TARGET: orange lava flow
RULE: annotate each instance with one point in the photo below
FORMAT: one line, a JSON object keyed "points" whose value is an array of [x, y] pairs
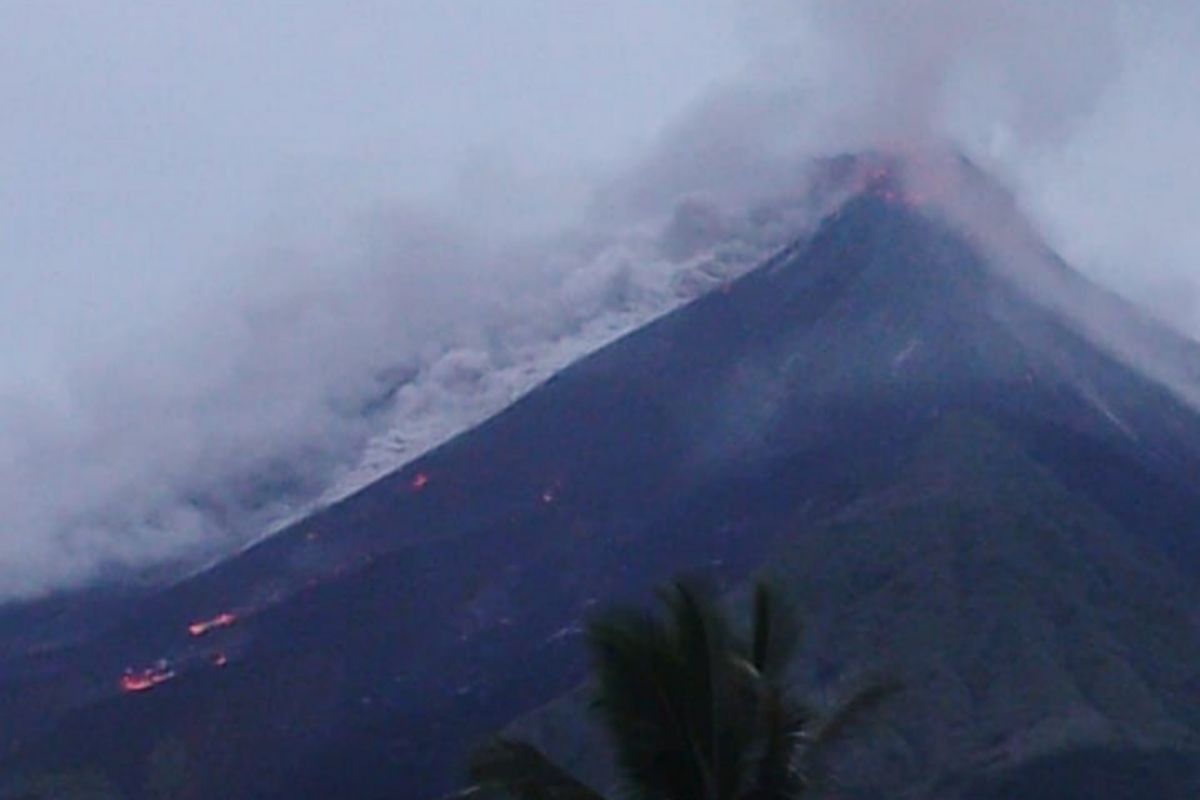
{"points": [[222, 620], [145, 679]]}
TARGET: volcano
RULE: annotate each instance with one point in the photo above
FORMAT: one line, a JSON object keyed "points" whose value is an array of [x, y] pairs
{"points": [[946, 452]]}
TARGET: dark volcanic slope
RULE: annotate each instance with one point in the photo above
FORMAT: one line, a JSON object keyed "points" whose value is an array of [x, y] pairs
{"points": [[1044, 652], [375, 641]]}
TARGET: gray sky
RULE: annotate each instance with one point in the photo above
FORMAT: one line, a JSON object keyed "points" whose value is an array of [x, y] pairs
{"points": [[219, 221]]}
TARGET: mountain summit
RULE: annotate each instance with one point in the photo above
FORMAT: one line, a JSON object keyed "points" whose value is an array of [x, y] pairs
{"points": [[945, 456]]}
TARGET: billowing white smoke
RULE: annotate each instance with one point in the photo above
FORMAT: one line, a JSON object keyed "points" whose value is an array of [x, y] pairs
{"points": [[206, 272], [207, 431], [181, 413], [1068, 102], [1086, 109]]}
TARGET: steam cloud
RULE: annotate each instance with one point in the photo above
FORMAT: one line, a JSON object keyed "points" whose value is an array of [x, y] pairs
{"points": [[1085, 109], [198, 343]]}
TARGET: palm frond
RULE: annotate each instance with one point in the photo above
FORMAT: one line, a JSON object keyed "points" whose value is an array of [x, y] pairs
{"points": [[695, 710], [775, 632], [774, 770], [852, 712], [641, 696], [701, 639], [521, 771]]}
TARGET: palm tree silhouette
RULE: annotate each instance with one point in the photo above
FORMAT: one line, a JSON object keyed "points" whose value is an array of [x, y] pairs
{"points": [[694, 710]]}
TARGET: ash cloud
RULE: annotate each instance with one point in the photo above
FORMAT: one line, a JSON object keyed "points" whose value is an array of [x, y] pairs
{"points": [[253, 257], [1086, 110], [238, 239]]}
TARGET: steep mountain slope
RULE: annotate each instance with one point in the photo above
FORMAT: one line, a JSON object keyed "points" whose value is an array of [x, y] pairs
{"points": [[807, 409], [1032, 635], [1029, 625]]}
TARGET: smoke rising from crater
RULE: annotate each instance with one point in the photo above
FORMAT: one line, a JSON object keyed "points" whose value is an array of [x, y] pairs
{"points": [[1086, 110], [253, 256]]}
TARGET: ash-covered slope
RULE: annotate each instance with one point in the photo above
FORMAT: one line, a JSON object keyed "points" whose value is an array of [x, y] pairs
{"points": [[360, 652]]}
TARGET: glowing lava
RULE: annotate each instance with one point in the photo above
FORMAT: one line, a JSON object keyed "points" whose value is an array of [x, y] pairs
{"points": [[882, 183], [220, 660], [910, 177], [419, 482], [223, 620], [146, 679]]}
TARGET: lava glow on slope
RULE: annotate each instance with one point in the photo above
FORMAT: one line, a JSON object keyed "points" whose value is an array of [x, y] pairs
{"points": [[882, 182], [906, 176], [145, 679], [222, 620], [419, 482]]}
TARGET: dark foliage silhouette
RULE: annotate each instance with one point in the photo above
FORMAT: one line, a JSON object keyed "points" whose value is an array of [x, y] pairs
{"points": [[693, 708]]}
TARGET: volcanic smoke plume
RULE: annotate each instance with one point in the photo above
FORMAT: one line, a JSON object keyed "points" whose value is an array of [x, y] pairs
{"points": [[252, 259]]}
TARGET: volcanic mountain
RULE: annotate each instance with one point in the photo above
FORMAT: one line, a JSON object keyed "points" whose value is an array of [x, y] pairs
{"points": [[946, 452]]}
